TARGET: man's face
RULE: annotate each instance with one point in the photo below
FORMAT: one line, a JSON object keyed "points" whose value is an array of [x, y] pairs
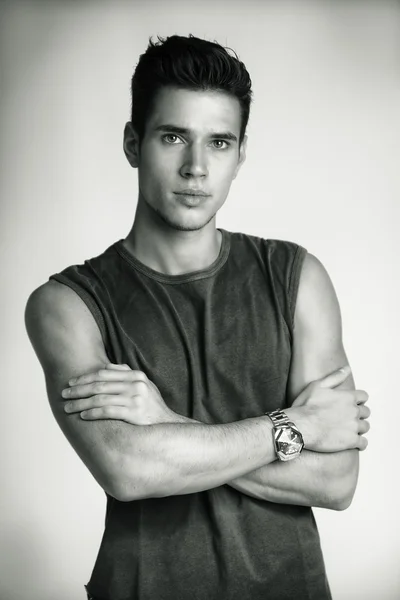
{"points": [[191, 143]]}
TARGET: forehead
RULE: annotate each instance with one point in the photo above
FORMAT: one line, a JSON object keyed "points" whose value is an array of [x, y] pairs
{"points": [[197, 110]]}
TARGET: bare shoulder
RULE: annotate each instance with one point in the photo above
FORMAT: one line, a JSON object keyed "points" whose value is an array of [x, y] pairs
{"points": [[54, 297], [317, 338], [68, 343], [316, 299], [314, 275], [53, 308]]}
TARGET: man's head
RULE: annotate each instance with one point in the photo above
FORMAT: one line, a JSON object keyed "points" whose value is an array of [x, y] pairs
{"points": [[190, 109]]}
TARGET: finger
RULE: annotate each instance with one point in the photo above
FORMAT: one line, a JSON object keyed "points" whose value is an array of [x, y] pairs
{"points": [[363, 426], [106, 412], [97, 387], [108, 375], [361, 396], [97, 401], [336, 378], [362, 442], [363, 411], [123, 367]]}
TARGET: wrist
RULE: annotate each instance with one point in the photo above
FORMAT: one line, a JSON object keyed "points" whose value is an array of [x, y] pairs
{"points": [[300, 417], [175, 418]]}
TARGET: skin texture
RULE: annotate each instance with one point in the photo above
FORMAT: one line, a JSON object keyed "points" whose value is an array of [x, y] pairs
{"points": [[324, 478], [315, 479], [129, 459], [168, 235]]}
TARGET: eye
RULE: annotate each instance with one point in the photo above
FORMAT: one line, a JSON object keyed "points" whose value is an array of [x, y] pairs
{"points": [[221, 142], [170, 135]]}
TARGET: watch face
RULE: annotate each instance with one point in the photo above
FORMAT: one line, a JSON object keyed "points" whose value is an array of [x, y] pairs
{"points": [[289, 443]]}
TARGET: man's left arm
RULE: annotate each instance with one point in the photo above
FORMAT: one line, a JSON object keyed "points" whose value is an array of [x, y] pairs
{"points": [[326, 480]]}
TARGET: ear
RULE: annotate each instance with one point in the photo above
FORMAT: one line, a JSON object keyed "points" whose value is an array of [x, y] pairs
{"points": [[131, 145], [242, 156]]}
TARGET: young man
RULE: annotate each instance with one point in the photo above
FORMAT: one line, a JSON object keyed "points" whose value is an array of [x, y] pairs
{"points": [[163, 354]]}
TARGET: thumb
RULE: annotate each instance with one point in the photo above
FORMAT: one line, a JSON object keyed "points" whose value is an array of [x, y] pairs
{"points": [[336, 378], [118, 367]]}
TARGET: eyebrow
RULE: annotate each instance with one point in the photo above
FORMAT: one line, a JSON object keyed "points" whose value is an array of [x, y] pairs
{"points": [[169, 128]]}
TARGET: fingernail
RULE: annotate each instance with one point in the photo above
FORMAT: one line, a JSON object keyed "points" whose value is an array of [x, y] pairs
{"points": [[346, 369], [72, 381]]}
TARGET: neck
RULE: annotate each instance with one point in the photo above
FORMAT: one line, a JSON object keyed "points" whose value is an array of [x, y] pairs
{"points": [[168, 250]]}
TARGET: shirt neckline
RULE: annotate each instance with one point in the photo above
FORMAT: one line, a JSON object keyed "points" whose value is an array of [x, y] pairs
{"points": [[182, 277]]}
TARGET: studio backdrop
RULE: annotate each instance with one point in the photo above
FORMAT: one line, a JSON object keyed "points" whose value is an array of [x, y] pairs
{"points": [[322, 170]]}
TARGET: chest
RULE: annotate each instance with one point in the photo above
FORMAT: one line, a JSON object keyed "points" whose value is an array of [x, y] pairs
{"points": [[217, 352]]}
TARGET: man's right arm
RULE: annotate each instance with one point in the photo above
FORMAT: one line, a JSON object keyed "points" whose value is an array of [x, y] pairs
{"points": [[133, 462]]}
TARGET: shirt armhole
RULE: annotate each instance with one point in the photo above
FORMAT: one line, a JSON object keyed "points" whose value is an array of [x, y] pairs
{"points": [[294, 281], [88, 300]]}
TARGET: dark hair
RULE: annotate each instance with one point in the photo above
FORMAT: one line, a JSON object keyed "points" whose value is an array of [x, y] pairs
{"points": [[189, 63]]}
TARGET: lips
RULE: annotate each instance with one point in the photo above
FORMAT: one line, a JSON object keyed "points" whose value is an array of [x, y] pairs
{"points": [[191, 192], [191, 200]]}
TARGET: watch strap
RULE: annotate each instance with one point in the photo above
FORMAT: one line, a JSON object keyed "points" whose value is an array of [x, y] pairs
{"points": [[287, 438], [278, 418]]}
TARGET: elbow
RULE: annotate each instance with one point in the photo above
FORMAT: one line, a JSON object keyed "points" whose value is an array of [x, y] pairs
{"points": [[135, 491], [124, 494], [335, 501], [341, 494], [136, 488], [346, 495], [144, 476], [340, 484], [142, 482], [142, 491], [341, 503]]}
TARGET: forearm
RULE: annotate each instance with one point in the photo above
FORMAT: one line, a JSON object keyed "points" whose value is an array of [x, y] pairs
{"points": [[185, 457], [325, 480]]}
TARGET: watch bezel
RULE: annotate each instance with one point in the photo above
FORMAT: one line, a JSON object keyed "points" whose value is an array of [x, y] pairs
{"points": [[282, 456]]}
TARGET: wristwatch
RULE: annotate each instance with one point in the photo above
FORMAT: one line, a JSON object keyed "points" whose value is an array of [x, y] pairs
{"points": [[288, 440]]}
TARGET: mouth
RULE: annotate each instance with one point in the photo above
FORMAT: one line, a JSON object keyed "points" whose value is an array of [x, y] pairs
{"points": [[190, 192]]}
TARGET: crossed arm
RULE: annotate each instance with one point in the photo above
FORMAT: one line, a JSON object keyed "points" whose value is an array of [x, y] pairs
{"points": [[326, 480]]}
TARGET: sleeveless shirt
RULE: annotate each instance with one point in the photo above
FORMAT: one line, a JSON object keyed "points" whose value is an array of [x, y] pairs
{"points": [[217, 343]]}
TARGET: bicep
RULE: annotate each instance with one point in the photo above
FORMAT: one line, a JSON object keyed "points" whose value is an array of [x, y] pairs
{"points": [[68, 343], [318, 349], [317, 340]]}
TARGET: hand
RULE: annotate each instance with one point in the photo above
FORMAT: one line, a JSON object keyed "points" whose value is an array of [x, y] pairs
{"points": [[331, 420], [117, 392]]}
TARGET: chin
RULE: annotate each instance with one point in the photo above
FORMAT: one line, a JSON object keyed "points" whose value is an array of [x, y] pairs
{"points": [[183, 218], [193, 223], [186, 225]]}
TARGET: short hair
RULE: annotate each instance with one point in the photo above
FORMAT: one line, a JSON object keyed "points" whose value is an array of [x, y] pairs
{"points": [[189, 63]]}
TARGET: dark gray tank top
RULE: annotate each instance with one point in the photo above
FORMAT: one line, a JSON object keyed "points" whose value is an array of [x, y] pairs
{"points": [[217, 343]]}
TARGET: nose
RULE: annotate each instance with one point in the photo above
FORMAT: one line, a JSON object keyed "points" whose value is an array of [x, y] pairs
{"points": [[195, 163]]}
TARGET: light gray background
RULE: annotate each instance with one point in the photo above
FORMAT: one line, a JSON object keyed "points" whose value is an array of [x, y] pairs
{"points": [[322, 170]]}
